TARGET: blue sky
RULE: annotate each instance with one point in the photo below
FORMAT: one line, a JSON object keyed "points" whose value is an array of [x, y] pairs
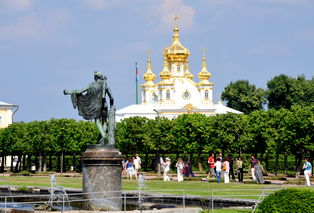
{"points": [[46, 46]]}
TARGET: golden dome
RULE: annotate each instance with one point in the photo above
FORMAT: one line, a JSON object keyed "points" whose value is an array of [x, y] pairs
{"points": [[187, 73], [204, 75], [176, 51], [165, 75], [149, 76]]}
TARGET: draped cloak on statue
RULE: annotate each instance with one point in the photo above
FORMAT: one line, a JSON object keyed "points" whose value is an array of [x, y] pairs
{"points": [[90, 104]]}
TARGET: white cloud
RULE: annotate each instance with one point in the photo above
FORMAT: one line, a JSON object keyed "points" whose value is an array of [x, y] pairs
{"points": [[44, 26], [277, 49], [15, 6], [212, 4], [103, 4], [164, 14]]}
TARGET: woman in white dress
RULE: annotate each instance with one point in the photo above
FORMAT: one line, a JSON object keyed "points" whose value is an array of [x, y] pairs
{"points": [[166, 169], [135, 163], [226, 171], [179, 166]]}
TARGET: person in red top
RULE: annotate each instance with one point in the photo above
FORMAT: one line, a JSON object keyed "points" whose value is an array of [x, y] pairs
{"points": [[211, 164]]}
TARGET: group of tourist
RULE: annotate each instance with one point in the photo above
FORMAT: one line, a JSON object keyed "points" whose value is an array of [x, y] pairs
{"points": [[216, 167], [226, 165], [131, 166], [184, 169]]}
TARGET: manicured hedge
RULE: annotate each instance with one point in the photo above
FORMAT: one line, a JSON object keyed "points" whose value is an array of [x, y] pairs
{"points": [[288, 200]]}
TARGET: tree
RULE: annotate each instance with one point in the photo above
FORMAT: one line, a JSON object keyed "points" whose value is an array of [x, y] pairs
{"points": [[283, 92], [243, 96], [190, 133]]}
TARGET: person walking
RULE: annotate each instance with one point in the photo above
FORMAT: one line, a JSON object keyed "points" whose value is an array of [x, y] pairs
{"points": [[240, 169], [166, 169], [179, 166], [220, 157], [226, 169], [231, 167], [218, 169], [251, 166], [136, 166], [307, 167], [124, 165], [258, 171], [139, 161], [211, 163], [185, 170], [190, 172], [129, 168]]}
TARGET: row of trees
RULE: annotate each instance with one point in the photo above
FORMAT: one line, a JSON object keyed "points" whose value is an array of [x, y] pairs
{"points": [[275, 131], [282, 92], [56, 137], [265, 133]]}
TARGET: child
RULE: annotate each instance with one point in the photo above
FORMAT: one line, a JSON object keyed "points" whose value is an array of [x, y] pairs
{"points": [[185, 170]]}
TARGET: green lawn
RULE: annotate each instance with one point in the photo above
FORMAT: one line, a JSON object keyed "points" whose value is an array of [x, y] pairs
{"points": [[171, 186]]}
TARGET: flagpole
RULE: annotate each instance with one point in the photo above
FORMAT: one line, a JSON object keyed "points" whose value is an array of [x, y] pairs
{"points": [[136, 73]]}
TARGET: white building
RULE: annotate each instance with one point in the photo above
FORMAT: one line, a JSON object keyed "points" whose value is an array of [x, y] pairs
{"points": [[176, 93]]}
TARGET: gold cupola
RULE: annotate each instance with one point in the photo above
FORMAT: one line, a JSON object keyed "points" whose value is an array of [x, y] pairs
{"points": [[187, 73], [176, 52], [165, 75], [204, 75], [149, 76]]}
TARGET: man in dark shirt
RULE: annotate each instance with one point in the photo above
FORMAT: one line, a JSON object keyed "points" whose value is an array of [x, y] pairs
{"points": [[251, 166], [231, 167]]}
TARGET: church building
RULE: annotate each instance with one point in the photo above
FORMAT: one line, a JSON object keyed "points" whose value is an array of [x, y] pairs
{"points": [[176, 93]]}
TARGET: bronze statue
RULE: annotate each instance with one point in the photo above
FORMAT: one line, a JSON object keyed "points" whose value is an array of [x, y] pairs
{"points": [[93, 105]]}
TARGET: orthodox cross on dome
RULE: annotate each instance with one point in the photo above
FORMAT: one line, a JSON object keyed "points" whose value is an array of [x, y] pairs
{"points": [[204, 52], [148, 53], [176, 18]]}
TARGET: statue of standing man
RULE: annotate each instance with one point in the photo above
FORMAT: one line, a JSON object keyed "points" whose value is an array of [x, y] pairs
{"points": [[93, 105]]}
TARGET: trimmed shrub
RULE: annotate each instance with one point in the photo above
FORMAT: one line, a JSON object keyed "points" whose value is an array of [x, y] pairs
{"points": [[288, 200], [254, 182]]}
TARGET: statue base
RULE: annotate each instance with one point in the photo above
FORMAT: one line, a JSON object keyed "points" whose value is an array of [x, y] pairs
{"points": [[102, 172]]}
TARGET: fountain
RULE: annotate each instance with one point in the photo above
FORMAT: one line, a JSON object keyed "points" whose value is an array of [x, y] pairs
{"points": [[141, 185], [8, 188], [57, 193]]}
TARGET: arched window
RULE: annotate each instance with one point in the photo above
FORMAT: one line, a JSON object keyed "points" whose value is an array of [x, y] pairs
{"points": [[160, 95], [168, 94], [206, 94], [178, 68], [144, 94]]}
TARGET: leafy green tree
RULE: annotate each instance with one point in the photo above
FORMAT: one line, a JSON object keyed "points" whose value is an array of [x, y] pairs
{"points": [[189, 132], [242, 96], [284, 91], [130, 134]]}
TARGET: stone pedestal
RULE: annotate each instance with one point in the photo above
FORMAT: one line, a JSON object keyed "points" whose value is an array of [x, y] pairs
{"points": [[102, 172]]}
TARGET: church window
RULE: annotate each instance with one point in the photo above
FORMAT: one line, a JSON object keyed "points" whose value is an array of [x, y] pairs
{"points": [[206, 94], [160, 95], [178, 68], [1, 119], [144, 94], [154, 96], [186, 95], [168, 94]]}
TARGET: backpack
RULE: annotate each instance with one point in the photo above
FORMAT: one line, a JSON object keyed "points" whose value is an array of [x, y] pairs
{"points": [[184, 170], [224, 168]]}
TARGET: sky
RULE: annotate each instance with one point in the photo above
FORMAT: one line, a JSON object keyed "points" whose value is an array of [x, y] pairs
{"points": [[48, 46]]}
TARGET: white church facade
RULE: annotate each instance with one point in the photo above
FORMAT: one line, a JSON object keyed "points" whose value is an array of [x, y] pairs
{"points": [[176, 93]]}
